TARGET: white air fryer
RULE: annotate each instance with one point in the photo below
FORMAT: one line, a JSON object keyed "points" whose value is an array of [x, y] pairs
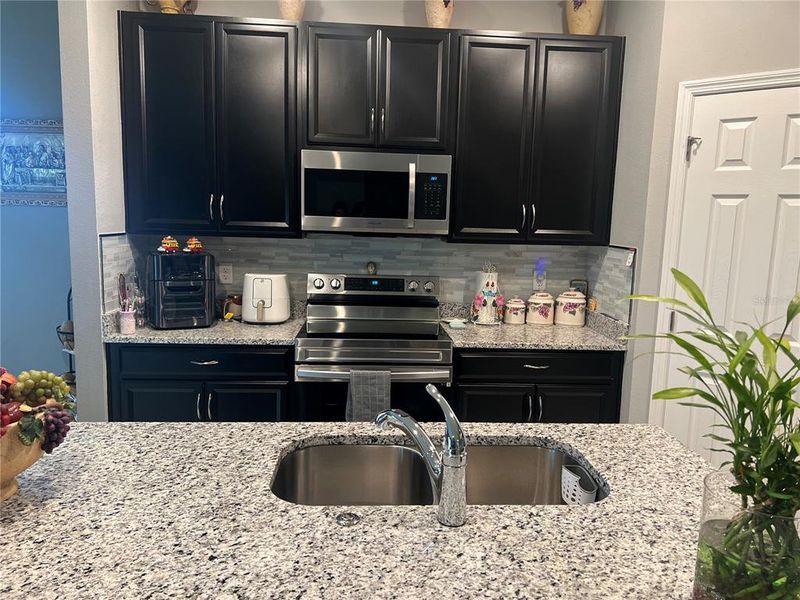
{"points": [[265, 298]]}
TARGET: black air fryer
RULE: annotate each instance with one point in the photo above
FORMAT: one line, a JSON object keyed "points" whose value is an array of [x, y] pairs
{"points": [[180, 290]]}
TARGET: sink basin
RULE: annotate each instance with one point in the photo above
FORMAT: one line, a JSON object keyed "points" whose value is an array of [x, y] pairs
{"points": [[389, 475]]}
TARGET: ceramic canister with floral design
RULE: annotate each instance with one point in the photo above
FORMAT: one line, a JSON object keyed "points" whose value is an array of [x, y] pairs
{"points": [[515, 312], [571, 308], [540, 309]]}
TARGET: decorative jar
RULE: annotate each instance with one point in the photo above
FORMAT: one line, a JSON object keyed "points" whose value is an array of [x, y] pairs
{"points": [[515, 312], [540, 309], [571, 309]]}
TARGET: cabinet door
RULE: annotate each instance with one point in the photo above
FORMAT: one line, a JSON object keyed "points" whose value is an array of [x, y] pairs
{"points": [[168, 123], [414, 87], [494, 138], [577, 115], [575, 404], [256, 127], [495, 403], [242, 401], [159, 400], [341, 84]]}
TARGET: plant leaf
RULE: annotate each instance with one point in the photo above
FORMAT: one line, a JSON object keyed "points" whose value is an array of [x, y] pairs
{"points": [[743, 349], [692, 289], [677, 392], [794, 437], [770, 355], [793, 309]]}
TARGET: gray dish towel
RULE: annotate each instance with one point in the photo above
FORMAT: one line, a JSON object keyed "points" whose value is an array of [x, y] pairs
{"points": [[369, 393]]}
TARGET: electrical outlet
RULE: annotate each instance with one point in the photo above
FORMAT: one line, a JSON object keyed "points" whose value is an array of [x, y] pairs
{"points": [[225, 273], [539, 281]]}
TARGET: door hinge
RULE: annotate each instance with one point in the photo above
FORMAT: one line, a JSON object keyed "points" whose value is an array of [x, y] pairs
{"points": [[692, 141]]}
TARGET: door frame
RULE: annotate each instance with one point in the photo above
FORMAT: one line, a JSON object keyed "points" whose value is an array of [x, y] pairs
{"points": [[688, 92]]}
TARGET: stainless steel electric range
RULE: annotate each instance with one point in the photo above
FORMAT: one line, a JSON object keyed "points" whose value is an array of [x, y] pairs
{"points": [[387, 323]]}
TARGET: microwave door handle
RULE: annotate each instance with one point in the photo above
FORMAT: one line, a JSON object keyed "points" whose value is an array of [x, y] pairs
{"points": [[412, 192]]}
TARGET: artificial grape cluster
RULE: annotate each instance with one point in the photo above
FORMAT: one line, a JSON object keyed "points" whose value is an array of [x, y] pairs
{"points": [[35, 387], [56, 426]]}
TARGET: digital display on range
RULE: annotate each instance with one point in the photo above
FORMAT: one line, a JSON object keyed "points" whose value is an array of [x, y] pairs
{"points": [[374, 284]]}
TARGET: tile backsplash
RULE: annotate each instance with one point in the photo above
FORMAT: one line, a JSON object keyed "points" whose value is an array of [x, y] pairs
{"points": [[457, 265]]}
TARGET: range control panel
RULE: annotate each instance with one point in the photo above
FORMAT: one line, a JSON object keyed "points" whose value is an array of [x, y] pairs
{"points": [[414, 285], [431, 196]]}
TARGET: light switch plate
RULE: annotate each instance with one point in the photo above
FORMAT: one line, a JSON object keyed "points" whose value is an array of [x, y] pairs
{"points": [[225, 273]]}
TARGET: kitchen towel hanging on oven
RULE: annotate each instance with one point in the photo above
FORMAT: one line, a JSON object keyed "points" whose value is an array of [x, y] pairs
{"points": [[369, 393]]}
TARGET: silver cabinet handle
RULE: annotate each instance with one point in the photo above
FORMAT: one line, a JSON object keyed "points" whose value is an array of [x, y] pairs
{"points": [[522, 226], [412, 193], [221, 208], [197, 406], [383, 122], [208, 407], [530, 407], [372, 120], [539, 400], [204, 363], [533, 216], [211, 206], [536, 367]]}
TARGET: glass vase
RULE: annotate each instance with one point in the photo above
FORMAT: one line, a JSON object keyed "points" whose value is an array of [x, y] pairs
{"points": [[744, 554]]}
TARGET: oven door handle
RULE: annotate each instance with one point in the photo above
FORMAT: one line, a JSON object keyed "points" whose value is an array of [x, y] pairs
{"points": [[412, 192], [323, 374]]}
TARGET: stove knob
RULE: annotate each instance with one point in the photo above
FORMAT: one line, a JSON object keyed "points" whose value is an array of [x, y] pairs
{"points": [[335, 284], [318, 283], [428, 287], [412, 286]]}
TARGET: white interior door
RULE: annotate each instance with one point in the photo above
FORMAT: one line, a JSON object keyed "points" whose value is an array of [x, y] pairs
{"points": [[740, 227]]}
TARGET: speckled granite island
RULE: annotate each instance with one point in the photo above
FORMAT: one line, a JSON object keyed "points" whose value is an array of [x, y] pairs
{"points": [[150, 510]]}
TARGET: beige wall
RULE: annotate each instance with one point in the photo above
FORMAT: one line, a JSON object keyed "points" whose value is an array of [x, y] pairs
{"points": [[93, 143], [525, 15], [700, 40]]}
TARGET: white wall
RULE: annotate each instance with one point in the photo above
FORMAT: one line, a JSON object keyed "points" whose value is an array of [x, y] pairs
{"points": [[93, 142], [699, 40], [525, 15]]}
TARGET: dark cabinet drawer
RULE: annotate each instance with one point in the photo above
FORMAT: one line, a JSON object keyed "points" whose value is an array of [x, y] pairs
{"points": [[537, 366], [206, 362]]}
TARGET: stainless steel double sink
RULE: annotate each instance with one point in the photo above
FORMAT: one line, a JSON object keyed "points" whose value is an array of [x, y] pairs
{"points": [[367, 474]]}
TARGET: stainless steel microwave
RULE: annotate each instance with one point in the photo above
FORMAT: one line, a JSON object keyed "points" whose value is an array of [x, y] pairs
{"points": [[375, 192]]}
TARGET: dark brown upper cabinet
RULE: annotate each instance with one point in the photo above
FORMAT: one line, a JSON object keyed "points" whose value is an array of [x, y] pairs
{"points": [[168, 123], [575, 141], [378, 86], [495, 115], [341, 84], [537, 137], [209, 125], [256, 127]]}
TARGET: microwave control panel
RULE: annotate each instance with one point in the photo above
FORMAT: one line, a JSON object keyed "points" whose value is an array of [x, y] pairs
{"points": [[431, 196]]}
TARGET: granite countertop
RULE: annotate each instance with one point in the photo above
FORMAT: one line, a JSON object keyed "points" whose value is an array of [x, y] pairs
{"points": [[221, 332], [134, 510], [511, 337], [532, 337]]}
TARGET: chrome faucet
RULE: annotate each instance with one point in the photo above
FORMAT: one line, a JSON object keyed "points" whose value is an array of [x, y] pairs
{"points": [[447, 469]]}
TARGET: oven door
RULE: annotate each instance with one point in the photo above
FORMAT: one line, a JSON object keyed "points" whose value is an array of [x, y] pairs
{"points": [[321, 390]]}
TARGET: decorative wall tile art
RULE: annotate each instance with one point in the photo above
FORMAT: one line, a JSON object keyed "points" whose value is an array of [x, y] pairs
{"points": [[32, 168]]}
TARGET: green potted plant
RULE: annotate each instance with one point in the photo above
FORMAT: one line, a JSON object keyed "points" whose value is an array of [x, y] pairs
{"points": [[749, 546]]}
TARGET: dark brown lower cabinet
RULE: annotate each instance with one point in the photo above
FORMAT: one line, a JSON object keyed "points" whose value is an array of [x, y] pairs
{"points": [[538, 387], [198, 383]]}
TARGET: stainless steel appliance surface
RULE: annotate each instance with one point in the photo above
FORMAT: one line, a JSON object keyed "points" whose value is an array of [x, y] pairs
{"points": [[375, 192], [371, 322]]}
